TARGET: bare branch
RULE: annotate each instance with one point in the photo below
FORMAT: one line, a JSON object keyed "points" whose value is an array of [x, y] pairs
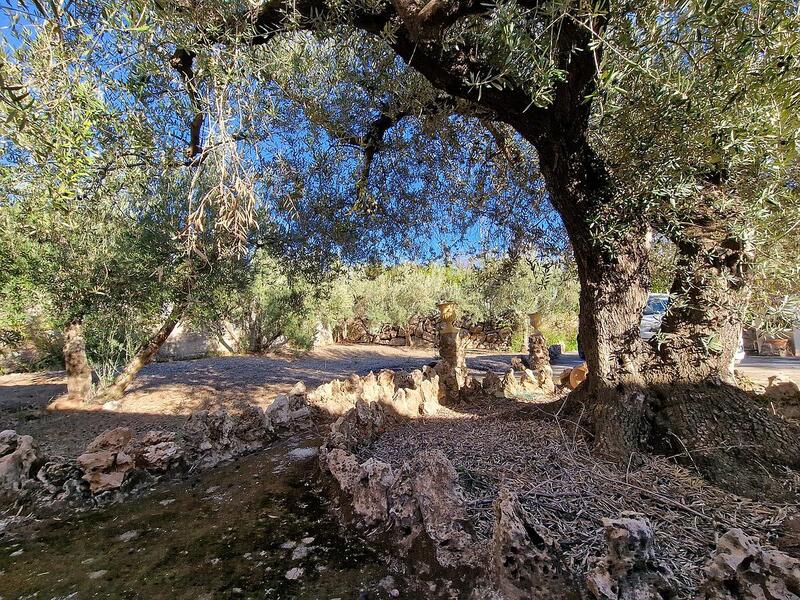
{"points": [[182, 61]]}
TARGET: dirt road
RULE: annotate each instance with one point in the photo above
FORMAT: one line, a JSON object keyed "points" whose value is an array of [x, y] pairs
{"points": [[165, 393]]}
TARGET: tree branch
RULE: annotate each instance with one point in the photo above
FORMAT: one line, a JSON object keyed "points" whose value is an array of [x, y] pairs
{"points": [[182, 61]]}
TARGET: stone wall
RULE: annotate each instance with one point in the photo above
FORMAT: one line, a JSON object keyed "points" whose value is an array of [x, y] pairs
{"points": [[187, 342], [424, 333]]}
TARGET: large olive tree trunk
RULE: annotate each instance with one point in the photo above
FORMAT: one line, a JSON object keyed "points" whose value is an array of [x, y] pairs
{"points": [[709, 295], [144, 356], [613, 271], [676, 394], [79, 373]]}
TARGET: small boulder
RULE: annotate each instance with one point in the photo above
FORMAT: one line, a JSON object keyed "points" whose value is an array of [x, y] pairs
{"points": [[367, 484], [781, 387], [20, 459], [113, 440], [492, 385], [783, 395], [208, 437], [509, 385], [157, 451], [630, 570], [440, 500], [298, 389], [289, 414], [62, 478], [429, 389], [527, 561], [294, 574], [106, 461], [741, 568], [214, 436], [358, 426]]}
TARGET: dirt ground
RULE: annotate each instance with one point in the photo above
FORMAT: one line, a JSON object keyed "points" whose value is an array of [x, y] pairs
{"points": [[166, 393], [230, 532]]}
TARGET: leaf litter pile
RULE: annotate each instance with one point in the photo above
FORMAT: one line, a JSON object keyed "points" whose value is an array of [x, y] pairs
{"points": [[569, 491]]}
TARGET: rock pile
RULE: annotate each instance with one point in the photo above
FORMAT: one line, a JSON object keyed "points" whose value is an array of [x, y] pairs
{"points": [[112, 455], [508, 387], [211, 437], [105, 461], [117, 461], [402, 395], [418, 507]]}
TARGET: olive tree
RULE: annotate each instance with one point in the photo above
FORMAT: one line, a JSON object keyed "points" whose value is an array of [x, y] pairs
{"points": [[553, 73]]}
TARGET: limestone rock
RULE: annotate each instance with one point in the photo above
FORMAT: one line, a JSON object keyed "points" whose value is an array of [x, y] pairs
{"points": [[781, 387], [471, 389], [368, 484], [630, 569], [157, 451], [208, 436], [741, 568], [404, 511], [422, 497], [386, 379], [358, 426], [540, 382], [509, 383], [213, 436], [406, 402], [62, 481], [112, 440], [377, 389], [438, 496], [288, 414], [19, 460], [105, 469], [784, 396], [298, 389], [332, 398], [107, 460], [410, 380], [527, 561], [492, 385], [430, 394], [517, 364]]}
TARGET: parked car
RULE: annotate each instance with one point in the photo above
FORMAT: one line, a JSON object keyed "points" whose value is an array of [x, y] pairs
{"points": [[650, 323]]}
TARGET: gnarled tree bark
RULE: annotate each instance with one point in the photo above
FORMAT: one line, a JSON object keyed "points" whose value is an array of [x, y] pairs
{"points": [[79, 373]]}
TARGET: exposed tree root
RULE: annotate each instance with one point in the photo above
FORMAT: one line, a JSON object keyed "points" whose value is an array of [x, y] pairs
{"points": [[728, 436], [715, 428]]}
